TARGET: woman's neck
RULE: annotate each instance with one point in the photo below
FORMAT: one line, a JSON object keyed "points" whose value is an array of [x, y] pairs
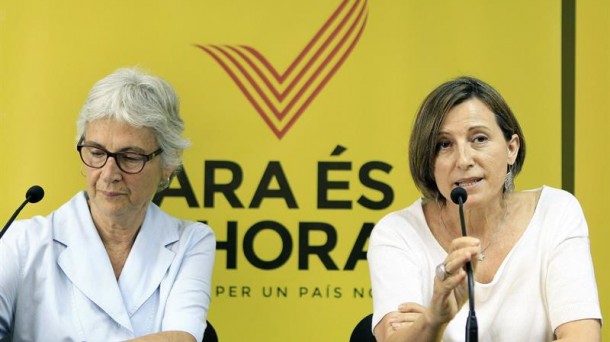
{"points": [[480, 221], [118, 237], [118, 231]]}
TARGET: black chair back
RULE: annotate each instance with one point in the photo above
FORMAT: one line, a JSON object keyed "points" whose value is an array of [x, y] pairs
{"points": [[362, 331], [209, 335]]}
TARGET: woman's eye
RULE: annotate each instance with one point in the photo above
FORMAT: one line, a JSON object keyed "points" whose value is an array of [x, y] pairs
{"points": [[480, 138], [442, 145], [131, 157], [97, 153]]}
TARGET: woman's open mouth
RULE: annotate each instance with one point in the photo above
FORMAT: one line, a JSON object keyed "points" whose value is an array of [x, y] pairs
{"points": [[467, 182]]}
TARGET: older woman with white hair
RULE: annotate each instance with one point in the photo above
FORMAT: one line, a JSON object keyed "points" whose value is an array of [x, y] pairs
{"points": [[109, 264]]}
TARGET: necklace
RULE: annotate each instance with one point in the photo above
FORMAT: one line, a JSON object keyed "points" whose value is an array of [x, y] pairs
{"points": [[492, 239]]}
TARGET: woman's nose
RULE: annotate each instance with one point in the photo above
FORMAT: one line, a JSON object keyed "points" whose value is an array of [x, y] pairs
{"points": [[464, 156], [111, 171]]}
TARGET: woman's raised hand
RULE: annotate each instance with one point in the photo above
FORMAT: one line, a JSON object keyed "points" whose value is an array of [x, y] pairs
{"points": [[450, 284]]}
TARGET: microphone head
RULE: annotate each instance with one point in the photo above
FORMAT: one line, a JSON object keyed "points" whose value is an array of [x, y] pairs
{"points": [[458, 193], [34, 194]]}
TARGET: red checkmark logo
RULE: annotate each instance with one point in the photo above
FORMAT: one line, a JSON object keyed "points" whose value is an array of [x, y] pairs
{"points": [[280, 98]]}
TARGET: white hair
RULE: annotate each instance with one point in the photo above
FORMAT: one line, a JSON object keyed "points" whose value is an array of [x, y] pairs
{"points": [[141, 100]]}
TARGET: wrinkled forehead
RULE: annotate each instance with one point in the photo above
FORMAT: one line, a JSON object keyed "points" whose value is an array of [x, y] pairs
{"points": [[114, 135], [468, 115]]}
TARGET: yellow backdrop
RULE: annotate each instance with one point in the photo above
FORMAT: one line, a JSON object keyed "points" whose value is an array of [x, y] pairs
{"points": [[303, 110]]}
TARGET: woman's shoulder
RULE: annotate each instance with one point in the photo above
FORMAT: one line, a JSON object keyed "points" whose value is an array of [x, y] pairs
{"points": [[40, 227], [543, 197], [413, 212], [197, 227], [406, 221], [183, 228], [557, 210], [547, 197]]}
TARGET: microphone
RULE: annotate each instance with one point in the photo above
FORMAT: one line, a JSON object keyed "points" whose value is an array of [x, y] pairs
{"points": [[459, 197], [33, 195]]}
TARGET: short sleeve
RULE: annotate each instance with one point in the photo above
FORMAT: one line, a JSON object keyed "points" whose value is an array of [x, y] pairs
{"points": [[571, 287], [189, 299], [397, 266]]}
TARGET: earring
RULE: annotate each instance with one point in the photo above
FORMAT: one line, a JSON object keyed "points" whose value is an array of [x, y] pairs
{"points": [[509, 182], [163, 184]]}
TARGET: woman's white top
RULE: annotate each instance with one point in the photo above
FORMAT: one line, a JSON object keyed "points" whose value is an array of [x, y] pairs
{"points": [[57, 283], [546, 280]]}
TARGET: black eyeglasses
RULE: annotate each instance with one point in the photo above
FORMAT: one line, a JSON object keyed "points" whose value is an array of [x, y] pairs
{"points": [[128, 162]]}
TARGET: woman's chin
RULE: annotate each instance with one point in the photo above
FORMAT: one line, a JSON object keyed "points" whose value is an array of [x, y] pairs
{"points": [[110, 209]]}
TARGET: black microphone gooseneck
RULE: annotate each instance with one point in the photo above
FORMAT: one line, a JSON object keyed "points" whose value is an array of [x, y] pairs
{"points": [[459, 196], [33, 195]]}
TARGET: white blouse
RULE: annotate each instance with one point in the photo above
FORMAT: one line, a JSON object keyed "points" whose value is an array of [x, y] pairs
{"points": [[57, 283], [546, 280]]}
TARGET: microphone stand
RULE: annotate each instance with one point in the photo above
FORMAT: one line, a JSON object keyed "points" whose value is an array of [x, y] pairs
{"points": [[472, 327], [5, 228], [33, 195]]}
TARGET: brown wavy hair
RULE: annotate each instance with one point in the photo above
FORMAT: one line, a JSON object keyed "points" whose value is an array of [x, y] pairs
{"points": [[430, 116]]}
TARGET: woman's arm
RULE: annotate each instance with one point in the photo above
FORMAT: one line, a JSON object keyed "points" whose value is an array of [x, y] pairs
{"points": [[166, 336], [393, 328], [448, 297], [188, 302], [584, 330], [571, 287]]}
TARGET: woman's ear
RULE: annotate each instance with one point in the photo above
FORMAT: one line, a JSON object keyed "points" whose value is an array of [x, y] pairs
{"points": [[167, 174], [166, 177], [513, 146]]}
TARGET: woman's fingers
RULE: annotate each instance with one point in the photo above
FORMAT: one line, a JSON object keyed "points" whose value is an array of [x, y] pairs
{"points": [[450, 290], [462, 250], [457, 259], [406, 315], [464, 242], [411, 307]]}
